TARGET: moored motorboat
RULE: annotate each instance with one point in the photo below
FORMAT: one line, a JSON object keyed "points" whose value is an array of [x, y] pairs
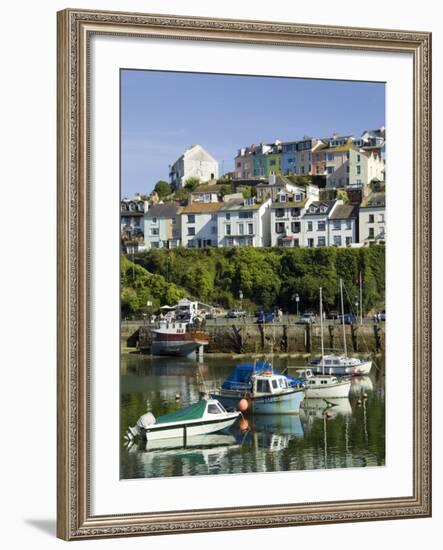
{"points": [[204, 417], [261, 390], [324, 385]]}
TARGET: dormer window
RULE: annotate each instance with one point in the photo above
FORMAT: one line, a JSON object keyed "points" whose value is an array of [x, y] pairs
{"points": [[323, 209], [312, 209]]}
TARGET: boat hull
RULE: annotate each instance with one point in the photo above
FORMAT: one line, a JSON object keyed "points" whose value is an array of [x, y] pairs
{"points": [[285, 403], [329, 391], [341, 370], [184, 431], [175, 348]]}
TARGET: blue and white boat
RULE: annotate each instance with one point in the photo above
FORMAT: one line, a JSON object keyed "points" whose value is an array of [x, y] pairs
{"points": [[265, 390]]}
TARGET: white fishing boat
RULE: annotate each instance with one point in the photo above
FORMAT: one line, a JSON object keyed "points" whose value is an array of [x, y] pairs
{"points": [[340, 364], [263, 390], [204, 417], [325, 386]]}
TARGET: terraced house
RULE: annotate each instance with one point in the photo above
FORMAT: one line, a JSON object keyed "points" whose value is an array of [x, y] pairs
{"points": [[162, 226], [243, 222], [198, 224], [372, 219]]}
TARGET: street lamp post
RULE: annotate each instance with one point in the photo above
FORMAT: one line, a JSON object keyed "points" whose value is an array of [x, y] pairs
{"points": [[297, 300], [240, 295]]}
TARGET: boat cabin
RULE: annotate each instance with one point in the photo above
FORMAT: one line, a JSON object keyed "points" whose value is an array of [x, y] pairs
{"points": [[318, 381], [269, 383]]}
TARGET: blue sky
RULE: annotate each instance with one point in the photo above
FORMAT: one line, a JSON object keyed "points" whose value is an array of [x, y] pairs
{"points": [[162, 113]]}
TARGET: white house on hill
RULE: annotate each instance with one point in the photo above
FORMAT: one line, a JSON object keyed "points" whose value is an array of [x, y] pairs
{"points": [[195, 162]]}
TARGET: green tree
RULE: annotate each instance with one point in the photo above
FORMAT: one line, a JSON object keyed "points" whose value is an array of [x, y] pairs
{"points": [[162, 188]]}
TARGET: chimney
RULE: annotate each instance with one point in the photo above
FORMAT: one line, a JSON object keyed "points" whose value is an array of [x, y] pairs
{"points": [[272, 178]]}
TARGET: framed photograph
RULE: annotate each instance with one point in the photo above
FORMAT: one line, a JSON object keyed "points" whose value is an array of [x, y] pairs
{"points": [[244, 288]]}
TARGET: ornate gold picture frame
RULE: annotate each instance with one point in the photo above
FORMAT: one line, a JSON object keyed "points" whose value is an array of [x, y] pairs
{"points": [[75, 29]]}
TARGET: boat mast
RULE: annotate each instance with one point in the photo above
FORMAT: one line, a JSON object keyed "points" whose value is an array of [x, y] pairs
{"points": [[321, 333], [361, 300], [343, 317]]}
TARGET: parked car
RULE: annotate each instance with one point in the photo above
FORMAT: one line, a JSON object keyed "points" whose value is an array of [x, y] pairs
{"points": [[333, 314], [235, 314], [349, 319], [382, 315], [307, 318], [265, 317]]}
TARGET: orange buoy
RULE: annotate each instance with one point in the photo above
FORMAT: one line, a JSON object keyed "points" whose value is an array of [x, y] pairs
{"points": [[243, 424], [243, 405]]}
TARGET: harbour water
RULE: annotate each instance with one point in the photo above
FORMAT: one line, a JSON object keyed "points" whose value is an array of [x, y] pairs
{"points": [[346, 433]]}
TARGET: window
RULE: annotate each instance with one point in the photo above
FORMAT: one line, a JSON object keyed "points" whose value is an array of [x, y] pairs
{"points": [[371, 232], [330, 169], [381, 218], [321, 241], [371, 218], [348, 224], [249, 241], [136, 222], [214, 217], [348, 241], [279, 227], [309, 168], [153, 220], [214, 229], [347, 169], [245, 215], [302, 169], [213, 409], [238, 165], [154, 231], [311, 243], [250, 228], [337, 240], [336, 225], [228, 216], [296, 243], [358, 158], [280, 213], [191, 218], [263, 386], [309, 226], [228, 229], [241, 229], [330, 157], [191, 231], [155, 244], [275, 384], [295, 227], [283, 198], [321, 226], [272, 162], [358, 170], [229, 241]]}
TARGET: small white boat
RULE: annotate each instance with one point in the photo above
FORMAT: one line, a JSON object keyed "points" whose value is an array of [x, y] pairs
{"points": [[204, 417], [324, 385]]}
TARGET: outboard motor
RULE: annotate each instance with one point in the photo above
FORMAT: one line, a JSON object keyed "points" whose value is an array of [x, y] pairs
{"points": [[146, 420]]}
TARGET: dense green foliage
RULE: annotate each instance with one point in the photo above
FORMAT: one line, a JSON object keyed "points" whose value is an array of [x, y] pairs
{"points": [[138, 286], [162, 188], [270, 277]]}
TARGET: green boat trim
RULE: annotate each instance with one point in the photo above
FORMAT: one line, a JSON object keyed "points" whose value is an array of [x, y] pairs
{"points": [[193, 412]]}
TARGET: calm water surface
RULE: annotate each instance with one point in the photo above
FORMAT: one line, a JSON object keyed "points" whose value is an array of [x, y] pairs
{"points": [[351, 434]]}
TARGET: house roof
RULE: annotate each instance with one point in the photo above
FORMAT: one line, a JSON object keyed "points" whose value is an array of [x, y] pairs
{"points": [[166, 210], [317, 205], [202, 208], [341, 148], [239, 204], [206, 188], [343, 211], [374, 200], [280, 181]]}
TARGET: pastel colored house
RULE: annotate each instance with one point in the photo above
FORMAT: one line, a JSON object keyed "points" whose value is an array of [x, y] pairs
{"points": [[372, 223], [161, 226]]}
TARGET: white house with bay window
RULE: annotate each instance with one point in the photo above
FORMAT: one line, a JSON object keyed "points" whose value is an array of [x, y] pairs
{"points": [[243, 222], [286, 221]]}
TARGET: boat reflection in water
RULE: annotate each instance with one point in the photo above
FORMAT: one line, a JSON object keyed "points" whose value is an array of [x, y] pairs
{"points": [[202, 454], [361, 385]]}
